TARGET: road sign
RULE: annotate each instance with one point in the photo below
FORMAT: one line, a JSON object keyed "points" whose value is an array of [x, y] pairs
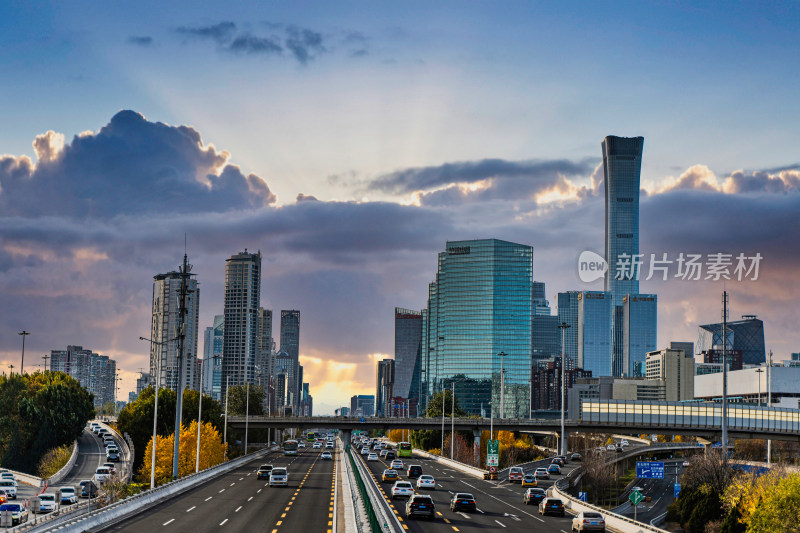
{"points": [[636, 497], [582, 496], [362, 419], [677, 489], [493, 453], [492, 469], [654, 438], [650, 469]]}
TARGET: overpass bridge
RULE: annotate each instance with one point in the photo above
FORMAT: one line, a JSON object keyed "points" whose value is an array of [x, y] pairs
{"points": [[700, 419]]}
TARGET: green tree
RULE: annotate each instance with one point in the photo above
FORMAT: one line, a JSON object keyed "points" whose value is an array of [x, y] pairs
{"points": [[441, 402], [779, 510], [237, 400]]}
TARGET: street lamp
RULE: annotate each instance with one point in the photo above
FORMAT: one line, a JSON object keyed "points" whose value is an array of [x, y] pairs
{"points": [[563, 327], [502, 385], [452, 417], [759, 372], [24, 334]]}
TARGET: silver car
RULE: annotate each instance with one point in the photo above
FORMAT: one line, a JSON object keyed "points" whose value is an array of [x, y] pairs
{"points": [[588, 521], [279, 477]]}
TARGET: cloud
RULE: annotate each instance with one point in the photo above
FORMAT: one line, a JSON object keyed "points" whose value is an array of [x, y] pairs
{"points": [[700, 177], [248, 44], [140, 40], [304, 44], [131, 166], [220, 33]]}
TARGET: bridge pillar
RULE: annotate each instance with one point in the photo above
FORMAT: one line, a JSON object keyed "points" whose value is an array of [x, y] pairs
{"points": [[344, 434], [476, 433]]}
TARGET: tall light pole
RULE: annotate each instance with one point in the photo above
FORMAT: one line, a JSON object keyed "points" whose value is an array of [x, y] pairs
{"points": [[24, 334], [45, 357], [452, 416], [185, 270], [155, 409], [502, 385], [759, 372], [769, 404], [246, 414], [441, 452], [225, 431], [563, 327], [724, 380]]}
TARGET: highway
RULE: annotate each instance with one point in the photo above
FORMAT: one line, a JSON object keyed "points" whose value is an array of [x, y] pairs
{"points": [[499, 502], [661, 492], [237, 501]]}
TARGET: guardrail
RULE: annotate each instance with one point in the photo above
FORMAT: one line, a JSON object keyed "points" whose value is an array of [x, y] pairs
{"points": [[380, 519], [61, 474], [461, 467]]}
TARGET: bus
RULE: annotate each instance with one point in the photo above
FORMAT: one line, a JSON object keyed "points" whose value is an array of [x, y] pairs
{"points": [[290, 447], [404, 449], [311, 436]]}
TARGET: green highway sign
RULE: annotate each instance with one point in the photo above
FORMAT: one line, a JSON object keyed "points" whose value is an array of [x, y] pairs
{"points": [[636, 497], [493, 453]]}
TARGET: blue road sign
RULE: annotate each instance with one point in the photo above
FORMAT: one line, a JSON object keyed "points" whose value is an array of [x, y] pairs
{"points": [[362, 419], [582, 496], [650, 470], [677, 489]]}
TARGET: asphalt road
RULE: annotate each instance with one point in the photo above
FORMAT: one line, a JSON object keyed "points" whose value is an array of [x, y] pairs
{"points": [[499, 503], [237, 501], [661, 492]]}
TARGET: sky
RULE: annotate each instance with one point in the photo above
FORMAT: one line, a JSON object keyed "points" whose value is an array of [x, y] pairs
{"points": [[348, 141]]}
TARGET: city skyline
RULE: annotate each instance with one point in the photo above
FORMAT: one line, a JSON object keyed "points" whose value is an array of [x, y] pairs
{"points": [[350, 160]]}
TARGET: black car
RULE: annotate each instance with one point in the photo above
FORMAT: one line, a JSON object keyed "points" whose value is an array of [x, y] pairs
{"points": [[551, 506], [462, 501], [264, 471], [112, 455], [420, 505], [389, 456], [534, 495], [414, 471]]}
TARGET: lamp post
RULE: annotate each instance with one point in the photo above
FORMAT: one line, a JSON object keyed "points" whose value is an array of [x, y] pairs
{"points": [[225, 431], [441, 450], [452, 416], [24, 334], [724, 381], [769, 403], [759, 372], [502, 385], [563, 327], [246, 414], [45, 357]]}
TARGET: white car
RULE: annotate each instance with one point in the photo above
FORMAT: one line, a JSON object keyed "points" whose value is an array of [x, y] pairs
{"points": [[301, 444], [541, 473], [611, 447], [329, 444], [47, 503], [67, 494], [10, 486], [372, 457], [365, 450], [624, 442], [402, 489], [102, 474], [317, 445], [397, 464], [326, 455], [426, 481], [279, 477], [8, 475]]}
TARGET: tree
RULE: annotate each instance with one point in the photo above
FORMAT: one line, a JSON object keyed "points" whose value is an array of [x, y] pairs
{"points": [[237, 400], [780, 509], [212, 452], [441, 402]]}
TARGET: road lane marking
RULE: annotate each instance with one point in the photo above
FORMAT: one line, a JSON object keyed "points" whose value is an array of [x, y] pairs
{"points": [[241, 478], [223, 490], [465, 515], [259, 490], [238, 509], [168, 522], [250, 498], [499, 522], [223, 522], [232, 484], [209, 498], [192, 508]]}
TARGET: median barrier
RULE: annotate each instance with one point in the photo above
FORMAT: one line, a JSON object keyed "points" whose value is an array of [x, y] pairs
{"points": [[380, 516], [61, 474], [356, 520]]}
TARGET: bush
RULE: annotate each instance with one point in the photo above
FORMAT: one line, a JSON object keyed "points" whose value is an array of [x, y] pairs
{"points": [[53, 461]]}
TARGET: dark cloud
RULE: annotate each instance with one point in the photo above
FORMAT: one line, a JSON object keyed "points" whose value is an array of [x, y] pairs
{"points": [[220, 33], [424, 178], [131, 166], [784, 180], [249, 44], [304, 44], [305, 198], [140, 40]]}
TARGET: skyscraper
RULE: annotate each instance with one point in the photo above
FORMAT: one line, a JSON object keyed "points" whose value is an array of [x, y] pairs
{"points": [[540, 304], [622, 167], [568, 313], [407, 355], [284, 365], [240, 335], [746, 335], [290, 343], [212, 356], [266, 346], [479, 319], [362, 405], [594, 332], [545, 338], [639, 331], [384, 387], [164, 330]]}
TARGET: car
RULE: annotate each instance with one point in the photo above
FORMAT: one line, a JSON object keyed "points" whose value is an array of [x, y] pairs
{"points": [[564, 459], [317, 445], [47, 502], [301, 444], [541, 473], [611, 447], [111, 467], [86, 489], [8, 475], [414, 471], [329, 444], [112, 455], [426, 481], [588, 521], [397, 464], [383, 453], [515, 474], [326, 456], [551, 506], [19, 513], [10, 487], [389, 476], [637, 489], [624, 442], [390, 456], [461, 501], [529, 480], [554, 469], [102, 474], [372, 457], [3, 496], [263, 472], [67, 495], [279, 477], [365, 450], [576, 456], [533, 496], [686, 463], [402, 489], [557, 461], [618, 448], [420, 505]]}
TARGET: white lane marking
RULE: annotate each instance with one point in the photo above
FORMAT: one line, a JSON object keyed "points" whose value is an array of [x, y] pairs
{"points": [[232, 484], [238, 509], [223, 522], [465, 515], [480, 511], [250, 498], [259, 490], [241, 478], [499, 522], [221, 491], [209, 498], [192, 508], [171, 520]]}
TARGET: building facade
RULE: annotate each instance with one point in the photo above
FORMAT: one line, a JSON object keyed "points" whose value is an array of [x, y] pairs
{"points": [[479, 320], [546, 338], [639, 331], [746, 335], [407, 354], [384, 387], [96, 373], [546, 383], [676, 370], [164, 326], [362, 405], [568, 313], [290, 344], [734, 358], [539, 299], [266, 346], [213, 338], [594, 332], [240, 334]]}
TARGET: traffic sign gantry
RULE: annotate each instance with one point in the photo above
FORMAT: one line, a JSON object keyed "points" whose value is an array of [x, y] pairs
{"points": [[636, 497], [649, 470]]}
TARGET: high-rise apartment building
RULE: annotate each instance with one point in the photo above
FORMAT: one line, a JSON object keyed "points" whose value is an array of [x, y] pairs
{"points": [[240, 335], [384, 387], [546, 380], [639, 331], [568, 314], [213, 339], [96, 373], [676, 369], [594, 332], [407, 355], [622, 167], [164, 328], [746, 335], [266, 346], [479, 320], [290, 343]]}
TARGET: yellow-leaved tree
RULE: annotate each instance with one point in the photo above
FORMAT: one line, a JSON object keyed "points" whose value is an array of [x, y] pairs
{"points": [[212, 452]]}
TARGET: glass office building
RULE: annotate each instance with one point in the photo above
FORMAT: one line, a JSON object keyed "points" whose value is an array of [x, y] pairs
{"points": [[480, 307], [746, 335], [622, 167], [545, 338], [594, 332], [639, 331], [407, 360], [568, 312]]}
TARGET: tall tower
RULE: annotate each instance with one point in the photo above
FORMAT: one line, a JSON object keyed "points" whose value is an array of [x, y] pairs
{"points": [[164, 330], [407, 355], [622, 167], [240, 335], [290, 343]]}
